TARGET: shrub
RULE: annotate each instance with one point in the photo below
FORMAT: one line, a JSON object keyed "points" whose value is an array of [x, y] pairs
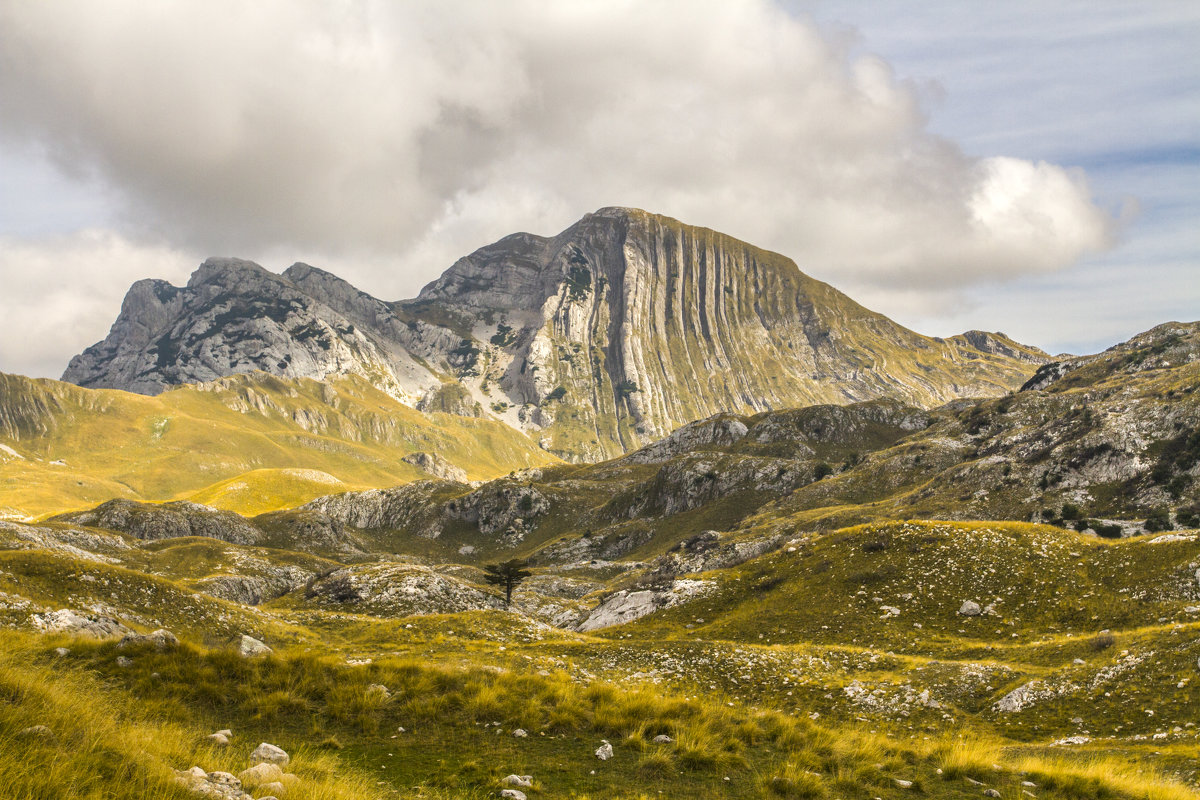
{"points": [[822, 470], [1071, 511], [1188, 518], [1108, 531], [1159, 520], [1102, 641]]}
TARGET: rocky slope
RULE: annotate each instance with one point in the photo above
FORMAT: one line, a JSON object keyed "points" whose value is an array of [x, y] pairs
{"points": [[596, 341], [1109, 442]]}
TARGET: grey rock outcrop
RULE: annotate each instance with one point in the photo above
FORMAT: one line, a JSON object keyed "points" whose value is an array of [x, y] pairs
{"points": [[166, 521], [437, 466], [94, 626], [625, 606]]}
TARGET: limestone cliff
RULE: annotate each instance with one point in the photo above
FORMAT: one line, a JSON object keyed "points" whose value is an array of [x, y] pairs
{"points": [[629, 324]]}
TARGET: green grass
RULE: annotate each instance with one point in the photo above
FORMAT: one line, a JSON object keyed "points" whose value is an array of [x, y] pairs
{"points": [[119, 730]]}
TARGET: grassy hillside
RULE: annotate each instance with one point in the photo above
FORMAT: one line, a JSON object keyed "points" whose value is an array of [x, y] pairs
{"points": [[447, 732], [248, 443]]}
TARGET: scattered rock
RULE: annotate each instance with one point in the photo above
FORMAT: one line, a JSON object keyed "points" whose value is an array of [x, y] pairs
{"points": [[218, 739], [512, 794], [990, 793], [605, 751], [275, 788], [269, 753], [662, 738], [903, 784], [124, 662], [249, 647], [520, 733], [380, 690], [62, 652], [521, 781], [970, 608]]}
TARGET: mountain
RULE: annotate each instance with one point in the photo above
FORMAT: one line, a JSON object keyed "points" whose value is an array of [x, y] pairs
{"points": [[248, 443], [596, 341]]}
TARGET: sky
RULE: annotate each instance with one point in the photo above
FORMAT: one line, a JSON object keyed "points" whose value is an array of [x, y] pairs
{"points": [[1026, 167]]}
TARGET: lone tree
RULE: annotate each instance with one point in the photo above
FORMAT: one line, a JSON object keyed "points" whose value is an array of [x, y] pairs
{"points": [[508, 575]]}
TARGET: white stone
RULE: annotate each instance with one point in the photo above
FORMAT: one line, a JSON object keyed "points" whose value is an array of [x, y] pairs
{"points": [[269, 753]]}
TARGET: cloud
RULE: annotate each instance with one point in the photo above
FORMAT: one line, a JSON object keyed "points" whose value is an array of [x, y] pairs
{"points": [[394, 137], [62, 293]]}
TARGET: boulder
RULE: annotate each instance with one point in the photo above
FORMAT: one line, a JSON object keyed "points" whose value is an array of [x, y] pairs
{"points": [[275, 788], [219, 739], [248, 647], [970, 608], [512, 794], [124, 662], [520, 781], [605, 751], [261, 773], [662, 738], [270, 753]]}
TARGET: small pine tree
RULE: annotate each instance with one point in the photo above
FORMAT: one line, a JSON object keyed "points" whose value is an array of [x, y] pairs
{"points": [[507, 574]]}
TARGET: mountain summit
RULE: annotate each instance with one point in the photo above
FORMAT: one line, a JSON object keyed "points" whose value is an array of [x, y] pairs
{"points": [[607, 336]]}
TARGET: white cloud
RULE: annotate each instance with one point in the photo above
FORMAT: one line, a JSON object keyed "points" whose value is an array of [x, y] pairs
{"points": [[61, 293], [410, 133]]}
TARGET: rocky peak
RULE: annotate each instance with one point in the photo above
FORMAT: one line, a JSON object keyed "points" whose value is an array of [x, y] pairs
{"points": [[232, 317]]}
